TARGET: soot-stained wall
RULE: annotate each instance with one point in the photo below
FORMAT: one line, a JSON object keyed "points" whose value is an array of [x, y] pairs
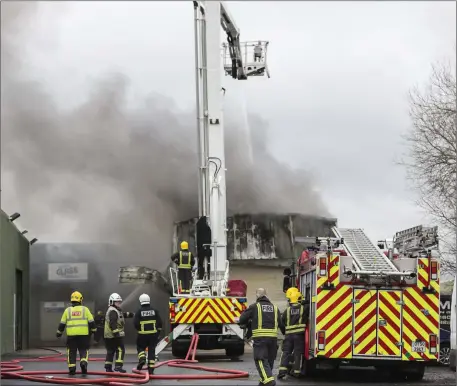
{"points": [[262, 236]]}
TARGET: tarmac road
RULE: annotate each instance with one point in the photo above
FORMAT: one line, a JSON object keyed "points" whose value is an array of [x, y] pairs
{"points": [[435, 376]]}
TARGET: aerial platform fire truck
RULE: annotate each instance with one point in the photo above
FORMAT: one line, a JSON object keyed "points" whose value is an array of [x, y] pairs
{"points": [[366, 308], [215, 303]]}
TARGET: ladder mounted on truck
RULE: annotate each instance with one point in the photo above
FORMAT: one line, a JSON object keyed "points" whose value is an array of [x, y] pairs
{"points": [[416, 241], [367, 257]]}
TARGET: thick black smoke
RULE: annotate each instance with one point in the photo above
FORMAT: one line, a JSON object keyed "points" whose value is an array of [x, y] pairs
{"points": [[111, 173]]}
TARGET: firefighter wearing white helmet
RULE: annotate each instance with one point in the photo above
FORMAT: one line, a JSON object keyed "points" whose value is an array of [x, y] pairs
{"points": [[148, 323], [114, 334]]}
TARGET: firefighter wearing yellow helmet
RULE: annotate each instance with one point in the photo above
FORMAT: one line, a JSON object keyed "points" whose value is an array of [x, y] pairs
{"points": [[78, 321], [291, 291], [185, 260], [294, 318]]}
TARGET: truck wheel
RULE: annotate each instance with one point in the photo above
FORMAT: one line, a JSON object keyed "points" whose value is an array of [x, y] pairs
{"points": [[178, 350], [445, 351], [309, 368], [235, 352], [417, 374]]}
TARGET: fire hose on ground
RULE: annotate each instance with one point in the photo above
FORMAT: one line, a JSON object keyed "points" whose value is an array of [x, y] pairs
{"points": [[13, 370]]}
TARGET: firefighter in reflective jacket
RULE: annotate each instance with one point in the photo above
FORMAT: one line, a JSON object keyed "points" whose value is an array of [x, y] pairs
{"points": [[185, 260], [78, 320], [114, 334], [294, 320], [265, 319], [149, 325]]}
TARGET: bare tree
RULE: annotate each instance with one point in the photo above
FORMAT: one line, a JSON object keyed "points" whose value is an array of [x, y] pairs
{"points": [[432, 151]]}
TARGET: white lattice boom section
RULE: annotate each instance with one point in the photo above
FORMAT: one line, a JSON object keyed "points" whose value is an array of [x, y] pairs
{"points": [[367, 256]]}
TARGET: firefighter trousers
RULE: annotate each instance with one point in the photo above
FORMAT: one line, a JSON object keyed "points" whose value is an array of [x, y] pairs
{"points": [[114, 348], [185, 278], [293, 344], [98, 336], [77, 343], [148, 341], [265, 351]]}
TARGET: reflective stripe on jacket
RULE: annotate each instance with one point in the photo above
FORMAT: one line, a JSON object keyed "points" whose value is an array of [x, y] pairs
{"points": [[185, 259], [120, 324], [76, 320], [267, 321], [294, 322]]}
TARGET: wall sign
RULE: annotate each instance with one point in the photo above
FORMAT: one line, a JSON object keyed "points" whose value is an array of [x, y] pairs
{"points": [[72, 272]]}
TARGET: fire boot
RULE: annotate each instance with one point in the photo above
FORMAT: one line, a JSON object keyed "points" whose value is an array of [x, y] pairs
{"points": [[83, 365], [108, 368], [151, 370], [119, 370], [282, 374], [141, 363]]}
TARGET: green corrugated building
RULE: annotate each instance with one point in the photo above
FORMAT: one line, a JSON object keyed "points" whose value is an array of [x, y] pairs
{"points": [[14, 286]]}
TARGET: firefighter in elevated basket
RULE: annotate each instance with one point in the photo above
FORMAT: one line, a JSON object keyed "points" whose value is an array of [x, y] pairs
{"points": [[294, 319], [114, 334], [148, 323], [265, 319], [78, 320], [185, 260]]}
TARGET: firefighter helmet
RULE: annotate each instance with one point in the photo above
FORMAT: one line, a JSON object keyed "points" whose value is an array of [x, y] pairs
{"points": [[295, 297], [144, 299], [114, 298], [76, 297], [184, 245], [291, 291]]}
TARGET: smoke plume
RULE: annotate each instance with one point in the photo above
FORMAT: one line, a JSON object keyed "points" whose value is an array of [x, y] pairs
{"points": [[106, 172]]}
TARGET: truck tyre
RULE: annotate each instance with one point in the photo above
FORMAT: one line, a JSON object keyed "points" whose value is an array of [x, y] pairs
{"points": [[235, 351], [178, 350], [417, 374]]}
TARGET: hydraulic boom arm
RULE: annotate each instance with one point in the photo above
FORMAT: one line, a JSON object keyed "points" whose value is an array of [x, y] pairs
{"points": [[210, 16]]}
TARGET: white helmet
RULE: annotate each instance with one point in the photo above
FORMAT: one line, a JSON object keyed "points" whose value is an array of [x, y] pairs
{"points": [[145, 299], [114, 298]]}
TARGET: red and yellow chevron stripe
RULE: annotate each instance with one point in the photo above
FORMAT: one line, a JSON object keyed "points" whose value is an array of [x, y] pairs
{"points": [[206, 310], [377, 323], [389, 323], [334, 313], [365, 322], [421, 315]]}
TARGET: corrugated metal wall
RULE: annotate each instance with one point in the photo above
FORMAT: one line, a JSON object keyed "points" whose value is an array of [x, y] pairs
{"points": [[14, 264], [263, 236]]}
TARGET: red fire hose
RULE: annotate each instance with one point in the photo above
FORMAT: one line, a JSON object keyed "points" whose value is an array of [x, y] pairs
{"points": [[12, 370]]}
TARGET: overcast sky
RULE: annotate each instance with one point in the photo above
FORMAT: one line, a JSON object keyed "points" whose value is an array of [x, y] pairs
{"points": [[336, 102]]}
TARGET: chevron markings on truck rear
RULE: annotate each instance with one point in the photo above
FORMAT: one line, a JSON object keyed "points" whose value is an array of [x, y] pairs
{"points": [[365, 321], [208, 310], [421, 312], [389, 323], [334, 313]]}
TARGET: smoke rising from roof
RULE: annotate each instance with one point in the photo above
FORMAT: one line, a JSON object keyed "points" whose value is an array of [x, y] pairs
{"points": [[107, 172]]}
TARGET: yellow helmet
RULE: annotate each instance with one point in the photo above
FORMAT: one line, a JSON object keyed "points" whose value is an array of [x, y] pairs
{"points": [[184, 245], [76, 297], [291, 291], [295, 297]]}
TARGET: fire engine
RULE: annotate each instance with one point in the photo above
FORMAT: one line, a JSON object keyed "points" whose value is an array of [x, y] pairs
{"points": [[367, 309], [215, 303]]}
